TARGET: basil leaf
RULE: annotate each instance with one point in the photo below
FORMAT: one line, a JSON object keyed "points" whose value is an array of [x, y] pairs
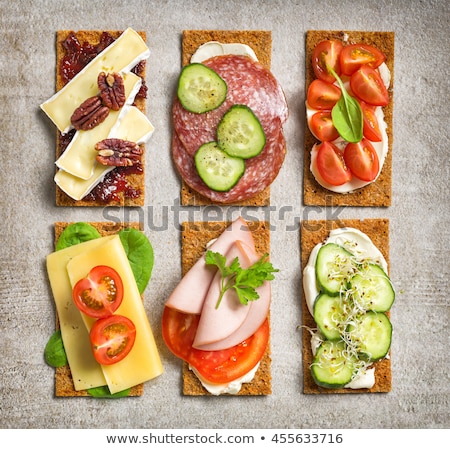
{"points": [[103, 392], [76, 233], [140, 254], [347, 114], [54, 352]]}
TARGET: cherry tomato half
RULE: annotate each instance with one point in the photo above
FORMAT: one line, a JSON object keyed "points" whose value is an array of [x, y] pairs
{"points": [[100, 293], [371, 128], [367, 85], [331, 165], [322, 126], [353, 56], [322, 95], [112, 338], [362, 159], [327, 53], [219, 367]]}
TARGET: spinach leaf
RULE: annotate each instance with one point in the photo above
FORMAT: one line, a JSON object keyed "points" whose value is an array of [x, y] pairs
{"points": [[103, 392], [347, 114], [140, 254], [76, 233], [54, 352]]}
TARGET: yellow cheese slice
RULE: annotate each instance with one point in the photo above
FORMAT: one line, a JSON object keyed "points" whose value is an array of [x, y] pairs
{"points": [[143, 362], [133, 126], [121, 56], [86, 372], [79, 157]]}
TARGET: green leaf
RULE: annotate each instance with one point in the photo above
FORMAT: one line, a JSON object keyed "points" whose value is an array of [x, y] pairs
{"points": [[347, 114], [103, 392], [54, 352], [76, 233], [140, 254]]}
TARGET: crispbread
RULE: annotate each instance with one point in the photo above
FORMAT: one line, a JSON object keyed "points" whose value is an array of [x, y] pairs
{"points": [[63, 377], [312, 233], [195, 236], [136, 181], [261, 43], [378, 193]]}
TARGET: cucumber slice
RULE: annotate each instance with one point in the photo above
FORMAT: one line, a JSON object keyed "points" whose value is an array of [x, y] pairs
{"points": [[333, 366], [372, 335], [218, 171], [200, 89], [334, 268], [372, 289], [240, 133], [328, 315]]}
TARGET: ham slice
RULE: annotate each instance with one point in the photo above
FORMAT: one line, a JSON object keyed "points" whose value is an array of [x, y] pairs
{"points": [[190, 293], [232, 322]]}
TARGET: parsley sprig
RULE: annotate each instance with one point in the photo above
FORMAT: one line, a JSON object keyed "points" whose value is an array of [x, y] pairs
{"points": [[244, 281]]}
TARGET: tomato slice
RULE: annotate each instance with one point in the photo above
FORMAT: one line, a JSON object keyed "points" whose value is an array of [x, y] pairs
{"points": [[371, 128], [112, 338], [331, 164], [322, 126], [353, 56], [219, 367], [367, 85], [327, 53], [362, 159], [100, 293], [322, 95]]}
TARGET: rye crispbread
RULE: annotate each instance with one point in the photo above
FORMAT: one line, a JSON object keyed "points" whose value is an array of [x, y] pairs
{"points": [[194, 238], [63, 378], [378, 193], [136, 181], [312, 233], [261, 43]]}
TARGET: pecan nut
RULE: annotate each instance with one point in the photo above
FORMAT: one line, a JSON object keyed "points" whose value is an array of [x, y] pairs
{"points": [[89, 114], [118, 152], [112, 90]]}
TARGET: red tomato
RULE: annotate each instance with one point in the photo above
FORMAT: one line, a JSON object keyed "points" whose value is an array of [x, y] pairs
{"points": [[322, 95], [322, 126], [112, 338], [355, 55], [327, 53], [100, 293], [362, 159], [367, 85], [331, 165], [371, 129], [219, 367]]}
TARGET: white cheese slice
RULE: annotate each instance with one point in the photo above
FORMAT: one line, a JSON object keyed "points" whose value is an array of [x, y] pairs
{"points": [[143, 362], [79, 157], [133, 126], [121, 56], [214, 48]]}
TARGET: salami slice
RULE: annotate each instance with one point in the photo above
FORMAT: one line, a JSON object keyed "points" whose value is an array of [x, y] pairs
{"points": [[259, 173], [249, 83]]}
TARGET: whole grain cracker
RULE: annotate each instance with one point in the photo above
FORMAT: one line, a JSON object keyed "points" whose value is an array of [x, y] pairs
{"points": [[312, 233], [378, 193]]}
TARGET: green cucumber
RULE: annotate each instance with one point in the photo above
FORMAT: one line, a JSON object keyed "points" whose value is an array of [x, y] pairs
{"points": [[217, 169], [372, 334], [334, 268], [372, 289], [328, 315], [240, 133], [333, 366], [200, 89]]}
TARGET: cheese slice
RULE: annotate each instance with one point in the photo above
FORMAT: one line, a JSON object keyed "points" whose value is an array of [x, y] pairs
{"points": [[143, 362], [79, 157], [121, 56], [86, 372], [133, 126]]}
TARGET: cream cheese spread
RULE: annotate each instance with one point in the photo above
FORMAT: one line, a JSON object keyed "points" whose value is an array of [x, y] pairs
{"points": [[214, 48]]}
